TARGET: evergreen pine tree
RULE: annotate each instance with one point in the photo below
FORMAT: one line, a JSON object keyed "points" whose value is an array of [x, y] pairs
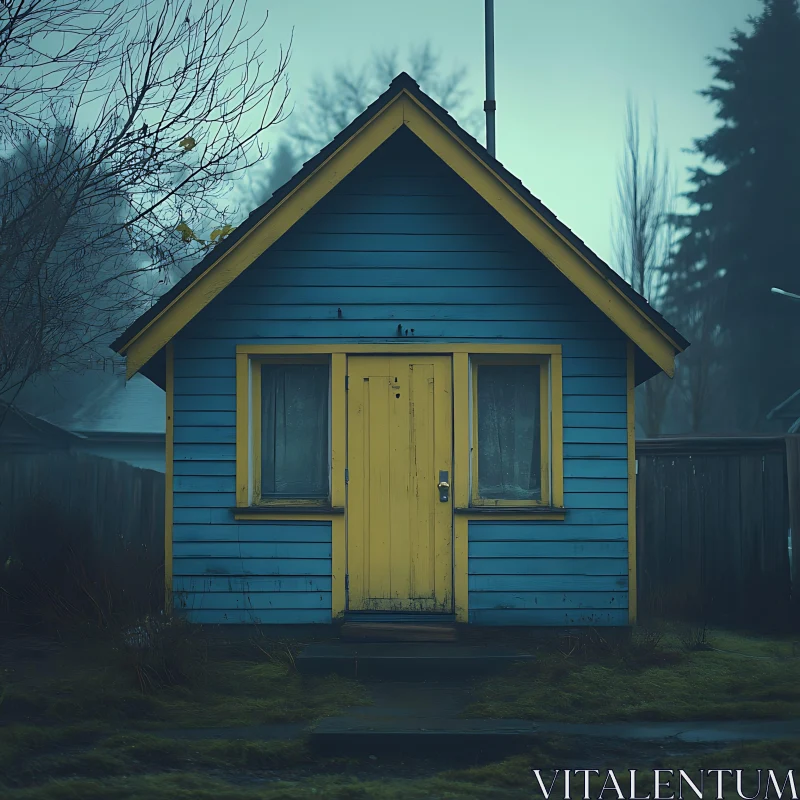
{"points": [[744, 236]]}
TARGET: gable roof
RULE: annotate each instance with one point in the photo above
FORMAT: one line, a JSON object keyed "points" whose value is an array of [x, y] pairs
{"points": [[403, 104]]}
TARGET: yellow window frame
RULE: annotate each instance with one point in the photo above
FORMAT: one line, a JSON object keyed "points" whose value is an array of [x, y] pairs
{"points": [[255, 498], [551, 441]]}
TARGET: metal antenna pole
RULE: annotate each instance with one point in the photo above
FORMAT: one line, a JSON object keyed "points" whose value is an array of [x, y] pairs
{"points": [[490, 104]]}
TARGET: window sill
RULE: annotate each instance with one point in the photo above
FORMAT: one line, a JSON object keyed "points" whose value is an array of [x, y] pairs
{"points": [[258, 512], [544, 512]]}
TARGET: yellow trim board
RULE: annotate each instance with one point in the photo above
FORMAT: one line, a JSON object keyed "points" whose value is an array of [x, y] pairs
{"points": [[631, 410], [278, 516], [404, 109], [390, 348], [461, 568], [243, 434], [169, 452]]}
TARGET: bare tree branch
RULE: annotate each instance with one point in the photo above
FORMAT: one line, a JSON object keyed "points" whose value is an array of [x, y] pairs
{"points": [[119, 122], [642, 240]]}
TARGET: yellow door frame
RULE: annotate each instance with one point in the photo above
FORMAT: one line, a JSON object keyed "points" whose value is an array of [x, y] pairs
{"points": [[462, 420]]}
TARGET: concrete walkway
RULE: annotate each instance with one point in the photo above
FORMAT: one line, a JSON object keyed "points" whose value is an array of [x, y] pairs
{"points": [[425, 717], [419, 717]]}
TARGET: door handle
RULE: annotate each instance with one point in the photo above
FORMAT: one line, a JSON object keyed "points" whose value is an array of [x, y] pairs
{"points": [[443, 487]]}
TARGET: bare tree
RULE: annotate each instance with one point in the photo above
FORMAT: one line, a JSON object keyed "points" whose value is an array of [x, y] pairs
{"points": [[120, 123], [335, 101], [642, 241]]}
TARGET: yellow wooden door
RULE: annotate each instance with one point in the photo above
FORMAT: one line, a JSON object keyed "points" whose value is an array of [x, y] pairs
{"points": [[399, 521]]}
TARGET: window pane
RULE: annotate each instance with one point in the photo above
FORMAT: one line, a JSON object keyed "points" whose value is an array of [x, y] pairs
{"points": [[509, 436], [294, 431]]}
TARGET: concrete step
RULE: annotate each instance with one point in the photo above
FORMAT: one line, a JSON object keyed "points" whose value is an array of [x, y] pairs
{"points": [[416, 661], [397, 632]]}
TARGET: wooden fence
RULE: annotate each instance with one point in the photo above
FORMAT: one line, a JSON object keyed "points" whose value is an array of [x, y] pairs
{"points": [[79, 535], [118, 502], [713, 522], [713, 517]]}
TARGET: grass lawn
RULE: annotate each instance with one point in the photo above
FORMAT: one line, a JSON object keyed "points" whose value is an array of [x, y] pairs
{"points": [[137, 768], [671, 675], [95, 708], [94, 721]]}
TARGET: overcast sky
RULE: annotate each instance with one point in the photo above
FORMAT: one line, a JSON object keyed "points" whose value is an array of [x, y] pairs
{"points": [[563, 70]]}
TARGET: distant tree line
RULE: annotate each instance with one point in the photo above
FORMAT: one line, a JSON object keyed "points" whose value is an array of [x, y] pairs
{"points": [[710, 271]]}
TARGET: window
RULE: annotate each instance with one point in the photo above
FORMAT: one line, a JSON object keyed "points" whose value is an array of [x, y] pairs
{"points": [[511, 422], [291, 432]]}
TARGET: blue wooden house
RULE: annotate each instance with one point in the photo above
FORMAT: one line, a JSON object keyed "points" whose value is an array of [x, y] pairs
{"points": [[401, 388]]}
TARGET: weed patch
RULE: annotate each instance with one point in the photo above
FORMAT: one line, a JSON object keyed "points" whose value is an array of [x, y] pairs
{"points": [[652, 678]]}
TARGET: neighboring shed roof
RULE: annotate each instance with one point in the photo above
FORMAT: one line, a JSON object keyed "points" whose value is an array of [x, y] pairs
{"points": [[135, 407], [96, 403], [403, 104]]}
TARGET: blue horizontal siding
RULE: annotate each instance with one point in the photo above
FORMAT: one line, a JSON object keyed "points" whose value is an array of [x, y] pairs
{"points": [[293, 616], [572, 617], [204, 386], [589, 450], [595, 468], [204, 402], [408, 224], [594, 516], [403, 241], [203, 451], [213, 468], [353, 262], [257, 531], [343, 202], [554, 549], [238, 585], [208, 434], [537, 573], [252, 566], [568, 597], [409, 314], [495, 272], [594, 419], [344, 297], [225, 347], [246, 330], [596, 500], [204, 499], [258, 601], [280, 570], [616, 403], [548, 566], [548, 583], [511, 531], [202, 516], [250, 549], [204, 483]]}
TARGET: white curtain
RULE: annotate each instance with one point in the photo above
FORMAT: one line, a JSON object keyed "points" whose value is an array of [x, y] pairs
{"points": [[509, 436], [294, 431]]}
